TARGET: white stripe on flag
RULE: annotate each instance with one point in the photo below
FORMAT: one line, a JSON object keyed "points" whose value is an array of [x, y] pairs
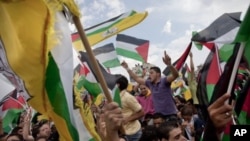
{"points": [[104, 57], [126, 46], [228, 37], [63, 55]]}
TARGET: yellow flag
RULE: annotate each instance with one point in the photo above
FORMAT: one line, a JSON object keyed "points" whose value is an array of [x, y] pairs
{"points": [[104, 30]]}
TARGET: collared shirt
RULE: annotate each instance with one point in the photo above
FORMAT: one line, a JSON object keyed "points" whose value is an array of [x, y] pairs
{"points": [[146, 103], [162, 97]]}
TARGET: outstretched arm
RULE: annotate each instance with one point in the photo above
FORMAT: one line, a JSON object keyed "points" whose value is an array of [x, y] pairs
{"points": [[132, 74], [26, 127], [174, 73], [191, 65]]}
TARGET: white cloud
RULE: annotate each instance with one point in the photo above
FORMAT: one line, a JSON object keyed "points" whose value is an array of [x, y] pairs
{"points": [[150, 9], [167, 27], [98, 11]]}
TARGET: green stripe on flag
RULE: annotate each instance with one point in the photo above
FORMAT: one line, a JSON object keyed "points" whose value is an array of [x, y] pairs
{"points": [[93, 88], [112, 63], [10, 119], [129, 54], [210, 89], [116, 96], [56, 95], [226, 51]]}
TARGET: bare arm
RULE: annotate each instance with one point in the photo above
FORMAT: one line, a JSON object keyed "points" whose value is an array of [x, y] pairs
{"points": [[26, 127], [174, 73], [191, 65], [134, 116], [132, 74]]}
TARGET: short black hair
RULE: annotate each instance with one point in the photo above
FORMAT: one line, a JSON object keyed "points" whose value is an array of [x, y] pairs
{"points": [[123, 83], [20, 137], [165, 128], [156, 69], [158, 115], [15, 130], [149, 134]]}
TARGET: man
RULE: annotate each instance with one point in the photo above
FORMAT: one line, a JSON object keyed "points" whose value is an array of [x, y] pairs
{"points": [[145, 99], [160, 87], [158, 119], [131, 111], [171, 131]]}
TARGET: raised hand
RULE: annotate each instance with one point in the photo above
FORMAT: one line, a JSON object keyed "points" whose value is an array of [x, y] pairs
{"points": [[190, 54], [166, 59], [220, 112], [124, 65]]}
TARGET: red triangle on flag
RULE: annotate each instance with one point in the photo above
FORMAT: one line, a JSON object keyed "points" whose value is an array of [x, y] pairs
{"points": [[84, 70], [12, 103], [75, 36], [214, 71], [143, 51]]}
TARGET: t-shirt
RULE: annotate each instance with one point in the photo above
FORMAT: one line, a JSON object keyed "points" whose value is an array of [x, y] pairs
{"points": [[146, 103], [130, 106], [162, 97]]}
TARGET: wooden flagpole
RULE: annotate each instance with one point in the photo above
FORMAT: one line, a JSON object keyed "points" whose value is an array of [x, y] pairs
{"points": [[97, 69], [93, 60]]}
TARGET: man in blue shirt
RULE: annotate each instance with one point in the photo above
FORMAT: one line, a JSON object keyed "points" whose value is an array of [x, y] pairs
{"points": [[160, 87]]}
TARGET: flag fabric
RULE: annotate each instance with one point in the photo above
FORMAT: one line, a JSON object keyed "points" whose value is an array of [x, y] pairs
{"points": [[40, 58], [179, 62], [240, 91], [106, 29], [6, 86], [132, 47], [59, 82], [219, 88], [90, 81], [107, 56], [12, 105], [218, 31], [207, 79], [87, 91]]}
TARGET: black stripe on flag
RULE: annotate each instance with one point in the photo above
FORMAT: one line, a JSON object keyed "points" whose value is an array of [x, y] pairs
{"points": [[130, 39], [104, 49]]}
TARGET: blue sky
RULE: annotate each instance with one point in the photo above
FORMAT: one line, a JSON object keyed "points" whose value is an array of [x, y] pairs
{"points": [[168, 26]]}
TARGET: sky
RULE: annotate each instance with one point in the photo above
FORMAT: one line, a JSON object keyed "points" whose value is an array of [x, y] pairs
{"points": [[168, 26]]}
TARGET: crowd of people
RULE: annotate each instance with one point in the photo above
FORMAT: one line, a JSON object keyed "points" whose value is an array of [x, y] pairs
{"points": [[150, 112]]}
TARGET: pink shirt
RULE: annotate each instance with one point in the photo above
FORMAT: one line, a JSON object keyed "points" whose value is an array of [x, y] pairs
{"points": [[146, 103]]}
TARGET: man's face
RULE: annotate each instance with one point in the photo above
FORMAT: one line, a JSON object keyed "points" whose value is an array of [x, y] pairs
{"points": [[157, 122], [143, 90], [187, 118], [175, 135], [44, 130], [153, 75]]}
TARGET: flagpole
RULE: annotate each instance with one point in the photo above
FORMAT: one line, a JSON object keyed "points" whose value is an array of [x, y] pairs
{"points": [[233, 75], [97, 69], [236, 66]]}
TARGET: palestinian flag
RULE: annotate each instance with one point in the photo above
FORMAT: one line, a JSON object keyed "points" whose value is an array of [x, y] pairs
{"points": [[106, 29], [89, 81], [107, 56], [179, 62], [241, 86], [11, 106], [132, 47], [207, 79], [218, 31]]}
